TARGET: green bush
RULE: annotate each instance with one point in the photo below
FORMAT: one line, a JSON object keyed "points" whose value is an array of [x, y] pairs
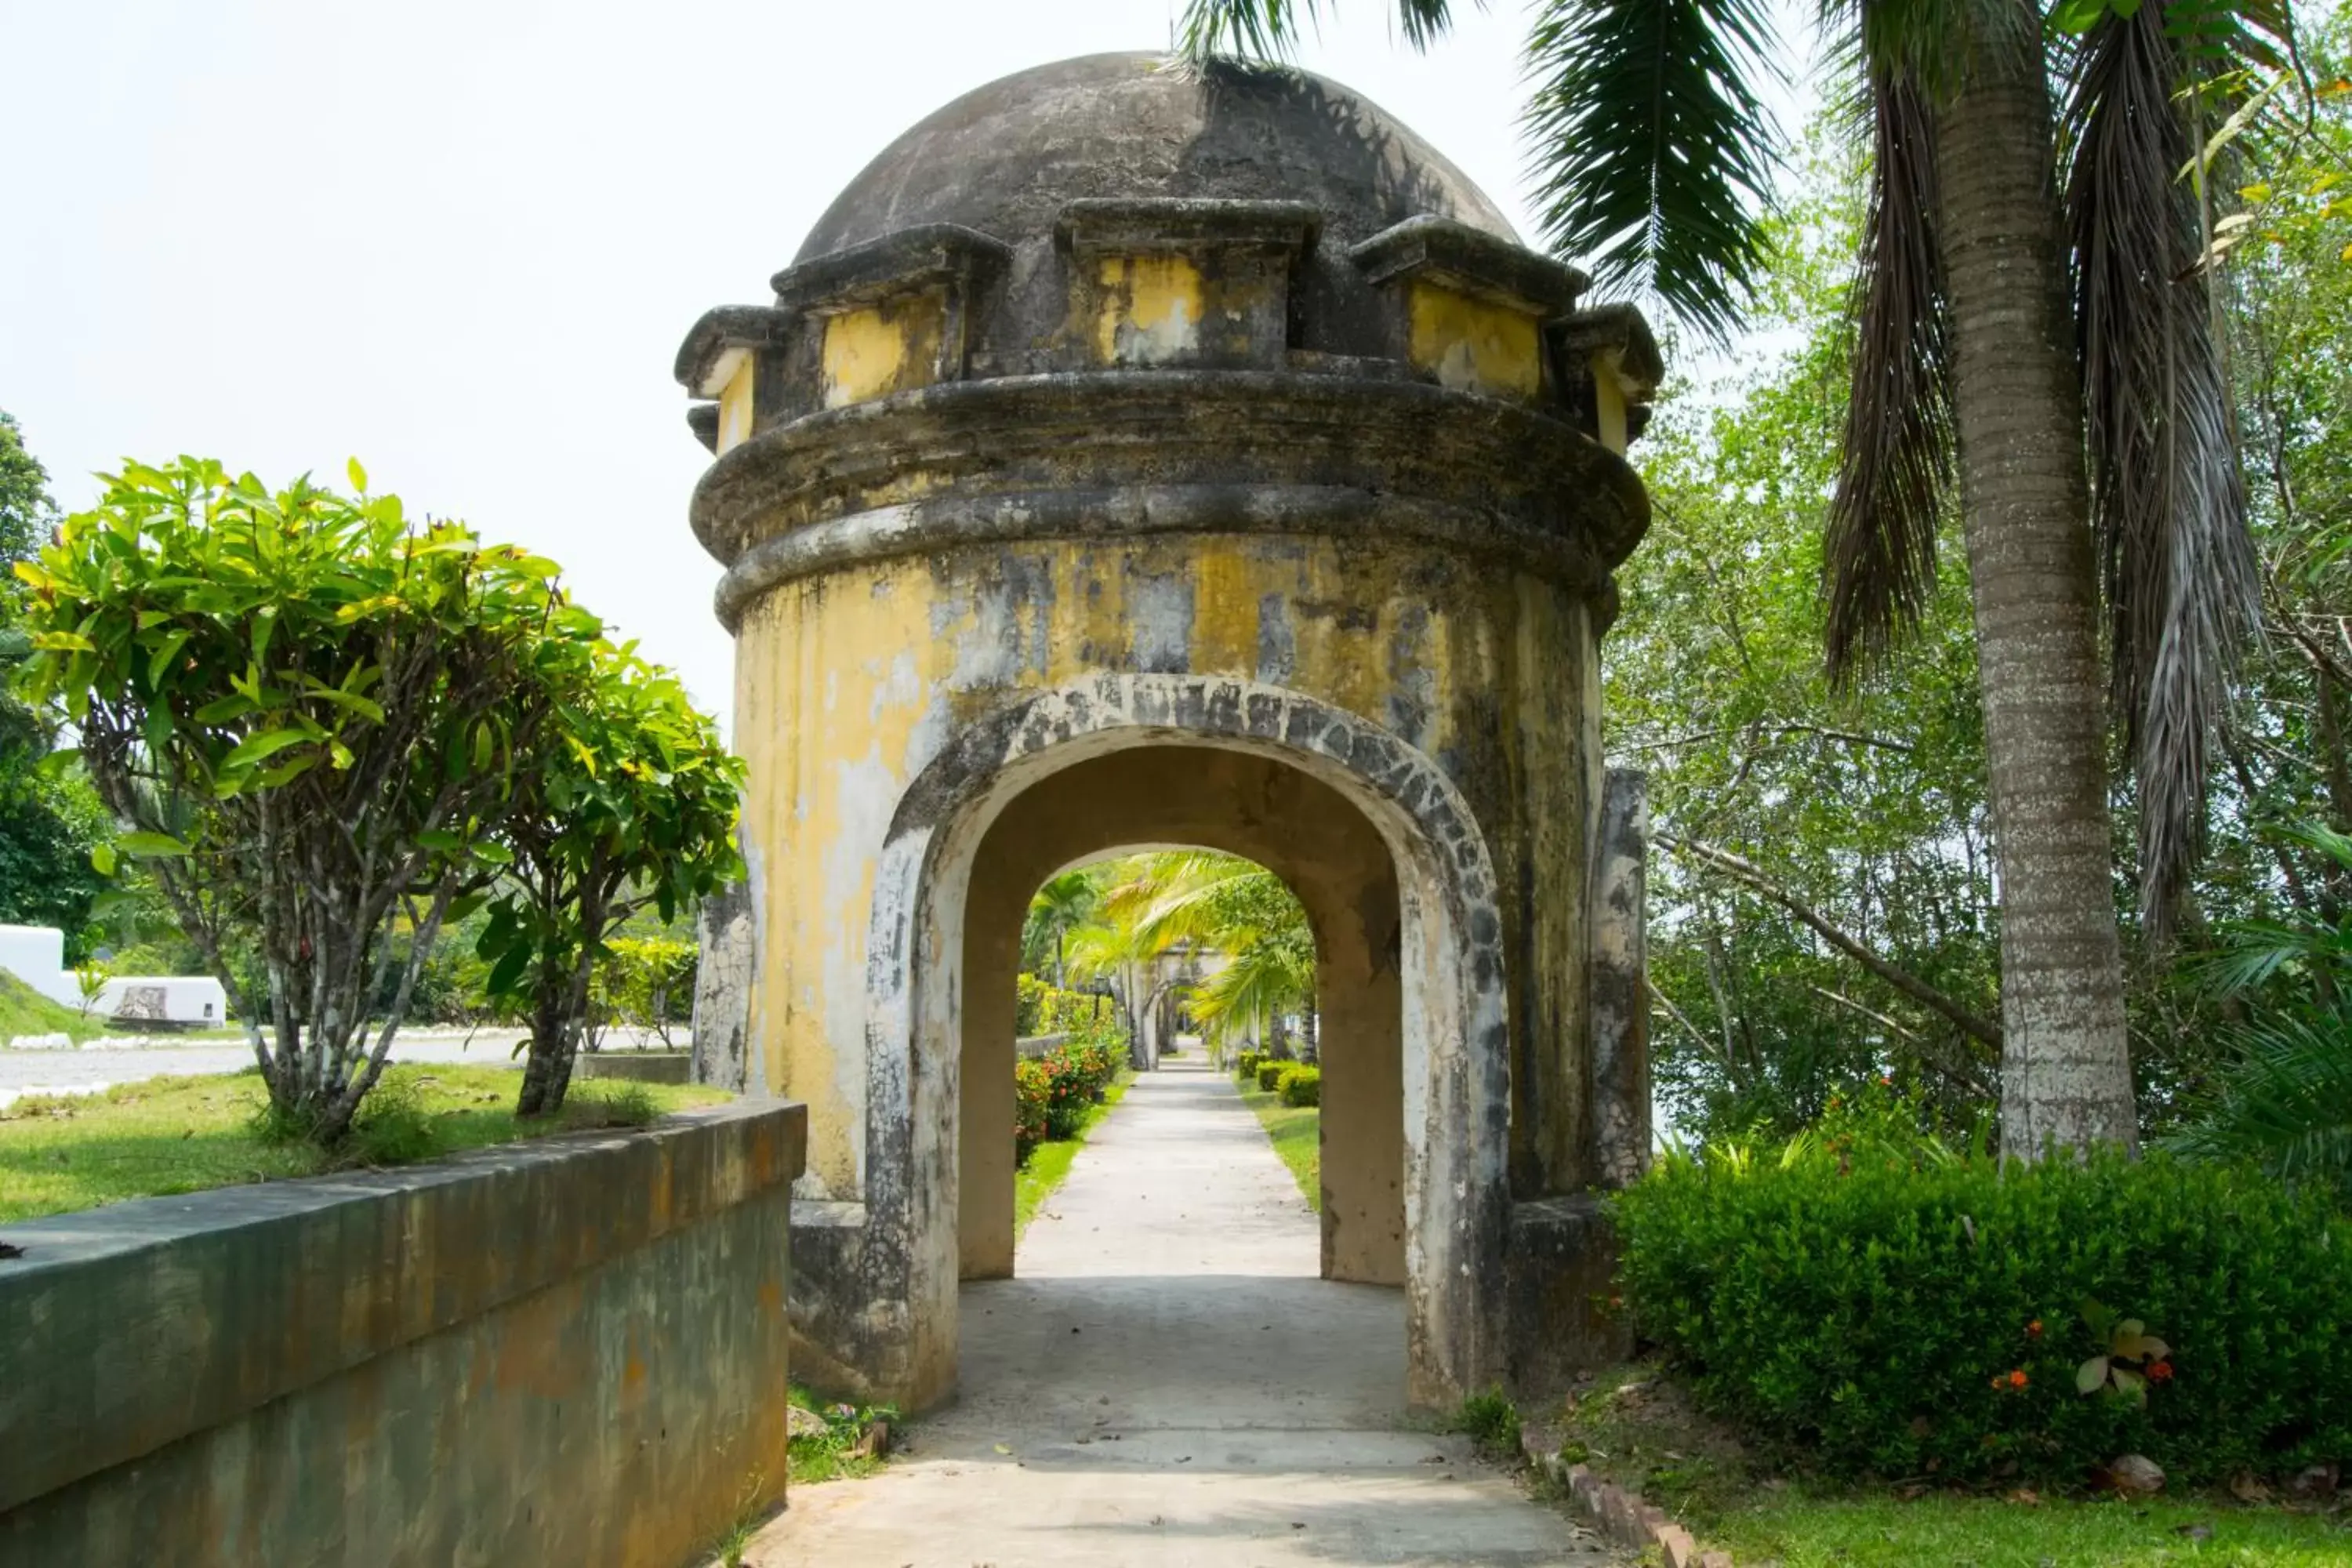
{"points": [[1245, 1065], [1269, 1073], [1300, 1085], [1903, 1312], [1041, 1009], [1051, 1092]]}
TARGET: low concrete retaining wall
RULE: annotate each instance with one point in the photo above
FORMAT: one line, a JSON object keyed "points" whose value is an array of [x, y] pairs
{"points": [[570, 1351], [1029, 1046], [637, 1067]]}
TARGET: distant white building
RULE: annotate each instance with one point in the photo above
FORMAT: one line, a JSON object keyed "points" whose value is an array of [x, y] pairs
{"points": [[36, 955]]}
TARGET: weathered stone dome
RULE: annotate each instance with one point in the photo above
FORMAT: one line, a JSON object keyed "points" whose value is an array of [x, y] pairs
{"points": [[1004, 158], [1116, 293]]}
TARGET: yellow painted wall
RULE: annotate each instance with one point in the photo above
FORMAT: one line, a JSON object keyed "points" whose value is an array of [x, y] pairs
{"points": [[735, 403], [847, 687], [882, 349], [1473, 344]]}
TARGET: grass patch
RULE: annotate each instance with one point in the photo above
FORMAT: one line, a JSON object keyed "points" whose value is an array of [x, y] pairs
{"points": [[1638, 1428], [1049, 1162], [64, 1153], [841, 1452], [25, 1011], [1295, 1132]]}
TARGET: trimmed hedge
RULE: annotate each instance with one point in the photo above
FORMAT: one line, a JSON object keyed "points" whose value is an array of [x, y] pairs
{"points": [[1300, 1085], [1270, 1071], [1245, 1064], [1913, 1313]]}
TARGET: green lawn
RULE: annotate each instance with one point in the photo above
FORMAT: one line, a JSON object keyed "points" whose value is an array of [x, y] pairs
{"points": [[1049, 1162], [185, 1134], [25, 1011], [1638, 1428], [1869, 1532], [1295, 1132]]}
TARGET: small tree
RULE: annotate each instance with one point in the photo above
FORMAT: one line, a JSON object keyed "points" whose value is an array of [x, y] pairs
{"points": [[633, 804], [641, 982], [312, 716]]}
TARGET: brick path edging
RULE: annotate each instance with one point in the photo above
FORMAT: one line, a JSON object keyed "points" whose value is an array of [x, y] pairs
{"points": [[1622, 1517]]}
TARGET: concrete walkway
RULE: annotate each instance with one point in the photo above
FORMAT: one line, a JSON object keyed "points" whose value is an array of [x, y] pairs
{"points": [[1168, 1383]]}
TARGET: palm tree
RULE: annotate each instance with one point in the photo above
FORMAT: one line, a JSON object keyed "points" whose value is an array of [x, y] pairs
{"points": [[1243, 911], [1059, 908], [1656, 155]]}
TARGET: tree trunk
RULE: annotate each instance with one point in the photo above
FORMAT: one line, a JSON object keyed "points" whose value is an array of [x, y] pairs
{"points": [[1311, 1036], [2065, 1061], [547, 1070]]}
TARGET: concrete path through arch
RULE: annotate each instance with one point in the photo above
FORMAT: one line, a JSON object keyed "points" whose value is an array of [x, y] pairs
{"points": [[1168, 1383]]}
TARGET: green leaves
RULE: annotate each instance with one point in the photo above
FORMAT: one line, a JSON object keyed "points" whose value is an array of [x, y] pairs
{"points": [[1655, 151]]}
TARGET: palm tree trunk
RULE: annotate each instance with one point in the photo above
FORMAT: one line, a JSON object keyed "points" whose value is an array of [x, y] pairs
{"points": [[2065, 1061]]}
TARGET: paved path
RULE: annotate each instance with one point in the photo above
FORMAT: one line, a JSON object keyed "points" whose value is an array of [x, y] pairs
{"points": [[1168, 1383], [98, 1066]]}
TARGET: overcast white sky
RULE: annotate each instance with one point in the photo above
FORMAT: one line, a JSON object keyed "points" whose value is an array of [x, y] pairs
{"points": [[460, 240]]}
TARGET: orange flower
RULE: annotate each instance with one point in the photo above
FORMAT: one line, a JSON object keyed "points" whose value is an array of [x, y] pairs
{"points": [[2159, 1372], [2033, 1329], [1997, 1380], [2016, 1379]]}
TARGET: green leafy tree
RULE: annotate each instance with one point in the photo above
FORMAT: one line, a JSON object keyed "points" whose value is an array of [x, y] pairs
{"points": [[314, 718], [49, 819], [632, 804], [2024, 198]]}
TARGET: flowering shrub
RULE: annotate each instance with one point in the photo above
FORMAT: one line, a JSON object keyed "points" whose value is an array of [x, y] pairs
{"points": [[1900, 1309], [1051, 1092]]}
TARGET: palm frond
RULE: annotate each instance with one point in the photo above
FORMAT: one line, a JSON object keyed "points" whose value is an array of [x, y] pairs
{"points": [[1895, 460], [2168, 502], [2285, 1103], [1653, 152], [1261, 979], [1269, 29]]}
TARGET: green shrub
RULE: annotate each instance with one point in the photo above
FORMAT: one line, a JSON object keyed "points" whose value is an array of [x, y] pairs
{"points": [[1041, 1009], [1491, 1422], [1051, 1092], [1907, 1313], [1269, 1073], [1300, 1085], [1245, 1065]]}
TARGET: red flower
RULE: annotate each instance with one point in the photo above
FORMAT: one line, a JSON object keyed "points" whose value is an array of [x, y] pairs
{"points": [[2159, 1372], [2034, 1330], [2016, 1379]]}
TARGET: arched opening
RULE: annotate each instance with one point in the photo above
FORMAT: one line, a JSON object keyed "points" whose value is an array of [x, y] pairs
{"points": [[1333, 859], [1374, 840]]}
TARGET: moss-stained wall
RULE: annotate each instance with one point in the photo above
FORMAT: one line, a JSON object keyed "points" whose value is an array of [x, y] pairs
{"points": [[570, 1353], [848, 685]]}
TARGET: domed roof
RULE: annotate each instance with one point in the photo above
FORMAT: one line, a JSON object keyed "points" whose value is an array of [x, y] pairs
{"points": [[1004, 159]]}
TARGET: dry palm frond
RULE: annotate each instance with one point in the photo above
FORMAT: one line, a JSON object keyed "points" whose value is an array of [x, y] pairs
{"points": [[1895, 461], [2168, 499]]}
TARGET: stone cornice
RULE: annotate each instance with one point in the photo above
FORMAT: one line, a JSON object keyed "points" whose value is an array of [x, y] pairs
{"points": [[1471, 261], [1113, 454], [899, 263]]}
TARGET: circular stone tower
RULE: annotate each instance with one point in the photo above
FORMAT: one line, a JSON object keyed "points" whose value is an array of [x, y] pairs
{"points": [[1132, 457]]}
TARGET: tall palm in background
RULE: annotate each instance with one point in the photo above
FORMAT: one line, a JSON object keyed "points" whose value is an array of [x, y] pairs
{"points": [[1062, 906], [1135, 911], [2003, 232], [1246, 915]]}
